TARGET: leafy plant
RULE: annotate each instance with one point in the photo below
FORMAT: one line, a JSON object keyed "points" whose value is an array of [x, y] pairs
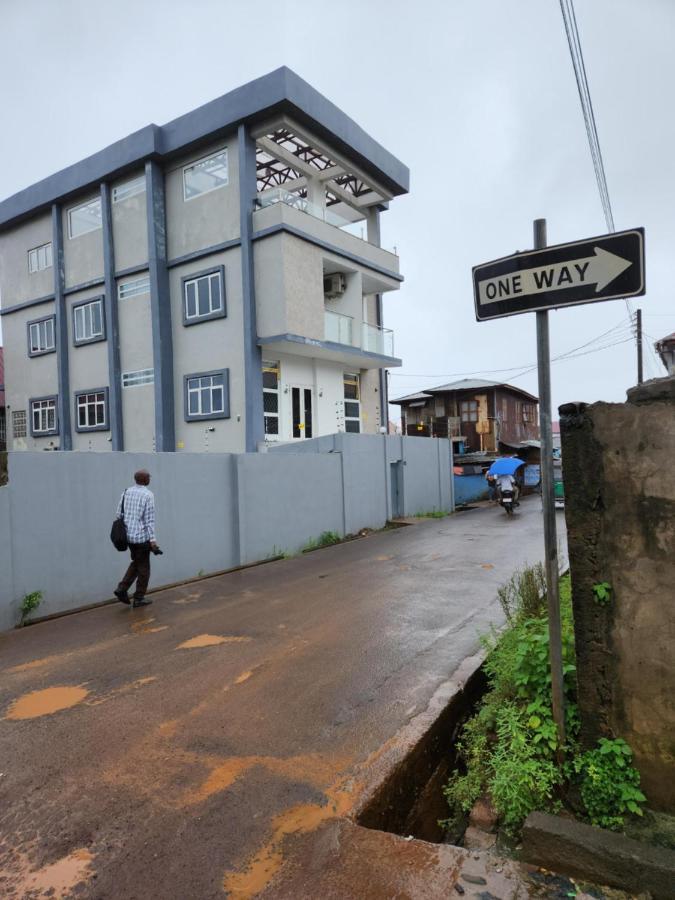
{"points": [[609, 785], [524, 595], [29, 603], [325, 539], [603, 592]]}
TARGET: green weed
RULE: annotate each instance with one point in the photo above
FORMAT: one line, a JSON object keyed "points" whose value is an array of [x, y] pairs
{"points": [[509, 750], [28, 605], [325, 539], [603, 592], [433, 514]]}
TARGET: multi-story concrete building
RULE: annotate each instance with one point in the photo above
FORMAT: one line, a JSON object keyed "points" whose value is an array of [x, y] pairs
{"points": [[211, 284]]}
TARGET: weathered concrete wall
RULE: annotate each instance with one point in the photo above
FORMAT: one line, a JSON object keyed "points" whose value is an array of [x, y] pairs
{"points": [[620, 510], [215, 511]]}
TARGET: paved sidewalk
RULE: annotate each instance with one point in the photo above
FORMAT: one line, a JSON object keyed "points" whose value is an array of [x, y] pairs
{"points": [[179, 751]]}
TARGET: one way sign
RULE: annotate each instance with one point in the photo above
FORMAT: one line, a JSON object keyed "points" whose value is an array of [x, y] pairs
{"points": [[602, 268]]}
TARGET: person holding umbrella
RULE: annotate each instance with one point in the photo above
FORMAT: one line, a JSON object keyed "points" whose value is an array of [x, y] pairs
{"points": [[504, 471]]}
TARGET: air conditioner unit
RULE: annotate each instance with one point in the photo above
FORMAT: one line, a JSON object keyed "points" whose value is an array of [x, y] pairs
{"points": [[334, 285]]}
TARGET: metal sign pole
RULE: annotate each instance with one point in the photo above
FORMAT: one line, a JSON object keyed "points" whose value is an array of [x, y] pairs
{"points": [[547, 493]]}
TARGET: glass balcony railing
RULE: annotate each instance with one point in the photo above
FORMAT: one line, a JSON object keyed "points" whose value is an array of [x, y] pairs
{"points": [[377, 340], [279, 195], [338, 327]]}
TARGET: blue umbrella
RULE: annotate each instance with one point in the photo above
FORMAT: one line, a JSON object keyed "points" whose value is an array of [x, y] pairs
{"points": [[505, 466]]}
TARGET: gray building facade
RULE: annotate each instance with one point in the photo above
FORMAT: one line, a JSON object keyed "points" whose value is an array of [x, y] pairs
{"points": [[212, 284]]}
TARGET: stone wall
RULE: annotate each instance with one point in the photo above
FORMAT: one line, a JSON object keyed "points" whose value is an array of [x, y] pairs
{"points": [[619, 474]]}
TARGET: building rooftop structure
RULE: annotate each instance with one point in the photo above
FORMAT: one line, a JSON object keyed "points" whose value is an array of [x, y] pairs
{"points": [[372, 174]]}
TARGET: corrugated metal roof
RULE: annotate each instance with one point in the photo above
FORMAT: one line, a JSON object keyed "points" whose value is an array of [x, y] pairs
{"points": [[475, 384], [419, 396]]}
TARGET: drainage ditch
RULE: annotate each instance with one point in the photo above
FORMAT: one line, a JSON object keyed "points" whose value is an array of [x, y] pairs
{"points": [[410, 801]]}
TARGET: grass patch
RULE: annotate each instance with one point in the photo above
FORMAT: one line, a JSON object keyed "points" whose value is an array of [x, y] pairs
{"points": [[433, 514], [509, 749], [325, 539]]}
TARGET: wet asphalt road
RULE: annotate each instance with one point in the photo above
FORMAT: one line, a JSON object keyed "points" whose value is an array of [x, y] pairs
{"points": [[179, 771]]}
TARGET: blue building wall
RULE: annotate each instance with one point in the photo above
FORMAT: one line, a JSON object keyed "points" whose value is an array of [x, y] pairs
{"points": [[469, 488]]}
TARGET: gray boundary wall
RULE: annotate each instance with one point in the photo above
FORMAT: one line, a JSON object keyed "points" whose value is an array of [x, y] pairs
{"points": [[214, 511]]}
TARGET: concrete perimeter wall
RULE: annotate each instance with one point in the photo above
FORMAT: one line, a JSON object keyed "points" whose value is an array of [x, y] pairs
{"points": [[214, 511], [620, 511]]}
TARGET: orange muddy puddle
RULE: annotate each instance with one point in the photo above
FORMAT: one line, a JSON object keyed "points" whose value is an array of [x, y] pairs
{"points": [[265, 865], [58, 879], [36, 663], [210, 640], [240, 679], [45, 702]]}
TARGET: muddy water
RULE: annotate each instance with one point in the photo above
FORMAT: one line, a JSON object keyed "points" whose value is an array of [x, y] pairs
{"points": [[210, 640], [46, 702]]}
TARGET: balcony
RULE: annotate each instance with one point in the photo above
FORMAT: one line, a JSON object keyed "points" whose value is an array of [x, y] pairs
{"points": [[377, 340], [297, 214], [338, 327]]}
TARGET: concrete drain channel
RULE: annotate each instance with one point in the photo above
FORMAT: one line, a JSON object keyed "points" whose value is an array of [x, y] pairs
{"points": [[409, 801]]}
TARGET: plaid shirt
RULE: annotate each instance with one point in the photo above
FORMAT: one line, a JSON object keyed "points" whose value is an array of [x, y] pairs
{"points": [[139, 514]]}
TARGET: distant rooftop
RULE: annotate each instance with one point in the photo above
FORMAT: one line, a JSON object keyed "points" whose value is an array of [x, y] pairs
{"points": [[279, 92], [465, 384]]}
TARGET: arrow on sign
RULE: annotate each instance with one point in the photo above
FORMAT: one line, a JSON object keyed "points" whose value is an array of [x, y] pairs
{"points": [[600, 270]]}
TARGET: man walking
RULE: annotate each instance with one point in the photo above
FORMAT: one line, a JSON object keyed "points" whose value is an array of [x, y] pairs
{"points": [[137, 508]]}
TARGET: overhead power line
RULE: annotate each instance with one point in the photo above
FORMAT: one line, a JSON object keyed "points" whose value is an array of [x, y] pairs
{"points": [[576, 53], [623, 329]]}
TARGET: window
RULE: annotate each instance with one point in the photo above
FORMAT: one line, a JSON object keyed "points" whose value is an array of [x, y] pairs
{"points": [[91, 410], [128, 189], [505, 409], [19, 423], [528, 412], [89, 322], [84, 218], [205, 175], [207, 395], [133, 288], [352, 392], [3, 430], [469, 410], [133, 379], [40, 258], [41, 337], [271, 399], [204, 296], [43, 416]]}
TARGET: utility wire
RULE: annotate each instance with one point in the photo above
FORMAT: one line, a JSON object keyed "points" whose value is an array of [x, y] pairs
{"points": [[617, 330], [577, 56]]}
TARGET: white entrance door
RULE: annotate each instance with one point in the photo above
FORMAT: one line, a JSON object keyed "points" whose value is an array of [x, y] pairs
{"points": [[301, 412]]}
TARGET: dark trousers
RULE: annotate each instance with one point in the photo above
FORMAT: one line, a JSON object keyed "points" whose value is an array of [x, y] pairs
{"points": [[139, 569]]}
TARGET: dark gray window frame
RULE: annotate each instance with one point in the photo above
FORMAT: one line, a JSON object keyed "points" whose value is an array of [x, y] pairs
{"points": [[226, 396], [40, 434], [39, 322], [220, 314], [99, 298], [83, 429]]}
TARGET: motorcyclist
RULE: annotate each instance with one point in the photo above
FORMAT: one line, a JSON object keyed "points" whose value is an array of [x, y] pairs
{"points": [[508, 483]]}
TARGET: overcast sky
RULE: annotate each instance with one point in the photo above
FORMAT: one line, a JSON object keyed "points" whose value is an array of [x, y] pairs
{"points": [[477, 97]]}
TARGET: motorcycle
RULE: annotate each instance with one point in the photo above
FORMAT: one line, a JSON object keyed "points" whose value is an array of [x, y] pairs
{"points": [[507, 500]]}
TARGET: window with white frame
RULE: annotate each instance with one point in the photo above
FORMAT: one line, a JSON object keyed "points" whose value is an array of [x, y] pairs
{"points": [[43, 416], [203, 296], [134, 379], [19, 424], [469, 410], [206, 395], [205, 175], [271, 399], [352, 394], [88, 322], [41, 337], [84, 218], [92, 410], [133, 287], [40, 258], [128, 189]]}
